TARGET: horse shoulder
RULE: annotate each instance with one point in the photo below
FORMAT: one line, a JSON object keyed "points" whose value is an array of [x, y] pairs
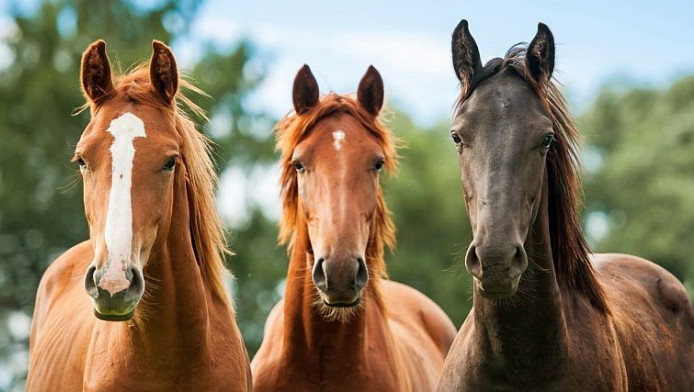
{"points": [[419, 310], [265, 361], [421, 330], [57, 336], [626, 276], [458, 368], [59, 278], [654, 319]]}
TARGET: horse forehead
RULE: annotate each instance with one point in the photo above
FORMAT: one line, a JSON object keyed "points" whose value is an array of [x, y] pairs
{"points": [[121, 119], [500, 104], [506, 92], [342, 134], [127, 126]]}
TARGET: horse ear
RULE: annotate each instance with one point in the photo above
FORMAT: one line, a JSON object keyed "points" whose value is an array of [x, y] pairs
{"points": [[96, 71], [466, 55], [305, 90], [539, 58], [163, 73], [370, 91]]}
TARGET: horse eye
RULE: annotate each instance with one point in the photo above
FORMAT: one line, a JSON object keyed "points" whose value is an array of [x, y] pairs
{"points": [[298, 166], [80, 161], [456, 138], [170, 164], [547, 141], [379, 165]]}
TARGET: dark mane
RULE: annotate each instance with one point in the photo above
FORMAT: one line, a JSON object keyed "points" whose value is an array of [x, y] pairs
{"points": [[292, 129], [570, 250]]}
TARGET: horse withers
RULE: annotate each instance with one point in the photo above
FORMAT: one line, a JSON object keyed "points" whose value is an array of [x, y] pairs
{"points": [[342, 326], [547, 314], [141, 305]]}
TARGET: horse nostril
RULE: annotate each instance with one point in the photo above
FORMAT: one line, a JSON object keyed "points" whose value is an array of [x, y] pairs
{"points": [[472, 262], [137, 282], [90, 282], [319, 276], [520, 261], [362, 275]]}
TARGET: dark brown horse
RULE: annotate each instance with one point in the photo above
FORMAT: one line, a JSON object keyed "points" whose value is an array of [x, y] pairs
{"points": [[141, 306], [341, 325], [547, 314]]}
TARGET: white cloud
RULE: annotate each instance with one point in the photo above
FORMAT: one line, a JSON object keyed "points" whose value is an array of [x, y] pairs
{"points": [[7, 29], [415, 67], [219, 29], [231, 197], [240, 191], [398, 50]]}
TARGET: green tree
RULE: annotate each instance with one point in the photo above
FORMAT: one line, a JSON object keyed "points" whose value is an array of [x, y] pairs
{"points": [[433, 231], [641, 144]]}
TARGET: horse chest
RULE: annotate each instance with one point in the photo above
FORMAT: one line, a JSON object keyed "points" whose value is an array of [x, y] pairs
{"points": [[313, 374], [472, 366]]}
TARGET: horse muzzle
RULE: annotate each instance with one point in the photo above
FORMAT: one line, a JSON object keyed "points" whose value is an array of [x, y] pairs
{"points": [[340, 282], [114, 299], [496, 270]]}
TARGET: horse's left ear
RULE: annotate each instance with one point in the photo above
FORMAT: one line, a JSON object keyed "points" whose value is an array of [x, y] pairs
{"points": [[96, 72], [539, 58], [370, 91], [163, 72]]}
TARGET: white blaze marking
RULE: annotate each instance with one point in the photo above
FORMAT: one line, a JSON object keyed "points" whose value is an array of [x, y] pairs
{"points": [[339, 137], [119, 218]]}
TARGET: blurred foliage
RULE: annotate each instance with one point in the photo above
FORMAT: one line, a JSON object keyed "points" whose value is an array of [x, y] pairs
{"points": [[641, 184], [433, 231]]}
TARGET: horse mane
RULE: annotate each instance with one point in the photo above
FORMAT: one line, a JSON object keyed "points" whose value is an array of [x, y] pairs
{"points": [[206, 228], [570, 249], [291, 130]]}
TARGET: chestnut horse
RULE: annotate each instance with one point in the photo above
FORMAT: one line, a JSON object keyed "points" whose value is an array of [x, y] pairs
{"points": [[547, 314], [341, 324], [150, 313]]}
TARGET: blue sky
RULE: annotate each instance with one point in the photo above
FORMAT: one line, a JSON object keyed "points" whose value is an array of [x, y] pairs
{"points": [[647, 43]]}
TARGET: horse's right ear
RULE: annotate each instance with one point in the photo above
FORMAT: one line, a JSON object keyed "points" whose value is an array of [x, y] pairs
{"points": [[370, 91], [466, 56], [539, 56], [305, 91], [96, 72]]}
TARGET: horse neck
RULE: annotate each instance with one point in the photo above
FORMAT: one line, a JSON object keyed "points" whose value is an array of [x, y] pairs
{"points": [[530, 324], [307, 333]]}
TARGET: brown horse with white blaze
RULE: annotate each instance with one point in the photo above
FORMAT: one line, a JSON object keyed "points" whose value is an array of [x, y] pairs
{"points": [[341, 324], [547, 314], [151, 312]]}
